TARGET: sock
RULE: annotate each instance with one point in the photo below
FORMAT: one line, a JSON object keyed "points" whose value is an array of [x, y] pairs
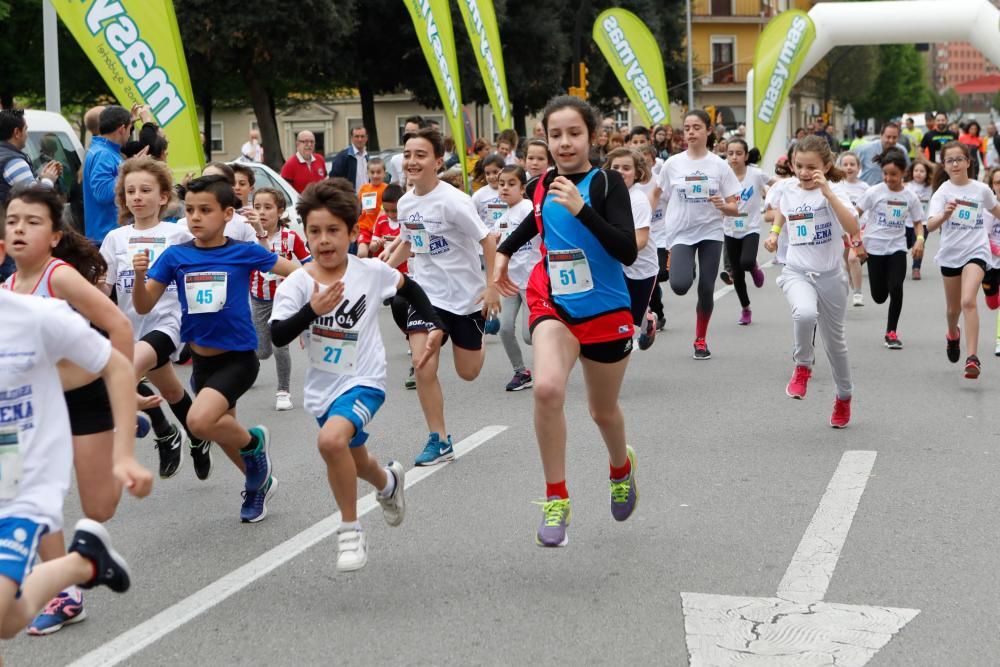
{"points": [[180, 410], [857, 290], [557, 490], [390, 485], [349, 525], [701, 325], [621, 473], [161, 427], [252, 445]]}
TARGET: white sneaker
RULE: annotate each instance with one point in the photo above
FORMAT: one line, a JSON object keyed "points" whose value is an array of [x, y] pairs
{"points": [[352, 550], [282, 401], [996, 350], [859, 299], [394, 507]]}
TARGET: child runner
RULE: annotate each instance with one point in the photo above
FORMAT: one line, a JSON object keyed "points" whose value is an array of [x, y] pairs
{"points": [[580, 307], [991, 283], [888, 206], [852, 187], [212, 274], [243, 226], [487, 198], [657, 232], [537, 159], [918, 177], [957, 207], [370, 196], [345, 382], [783, 177], [743, 231], [813, 279], [444, 232], [700, 188]]}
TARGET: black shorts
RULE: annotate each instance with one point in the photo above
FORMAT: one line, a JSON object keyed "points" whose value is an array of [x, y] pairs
{"points": [[230, 373], [954, 272], [608, 352], [162, 345], [89, 409], [466, 331]]}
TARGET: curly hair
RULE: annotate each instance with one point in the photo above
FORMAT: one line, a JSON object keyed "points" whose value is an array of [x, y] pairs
{"points": [[157, 169]]}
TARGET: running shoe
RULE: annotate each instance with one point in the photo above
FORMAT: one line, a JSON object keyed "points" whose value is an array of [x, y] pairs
{"points": [[435, 451], [352, 550], [972, 367], [257, 463], [521, 380], [758, 276], [892, 341], [625, 492], [726, 278], [282, 401], [701, 349], [993, 301], [142, 425], [916, 274], [62, 610], [648, 335], [841, 413], [254, 507], [169, 449], [555, 520], [91, 540], [954, 347], [394, 506], [411, 380], [996, 350], [859, 299], [746, 317], [201, 456], [800, 381], [661, 322]]}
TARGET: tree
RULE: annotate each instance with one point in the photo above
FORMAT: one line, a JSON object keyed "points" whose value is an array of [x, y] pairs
{"points": [[901, 84], [947, 101]]}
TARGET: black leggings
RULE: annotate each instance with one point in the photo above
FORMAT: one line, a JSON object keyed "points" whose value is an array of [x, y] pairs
{"points": [[911, 239], [885, 278], [656, 301], [639, 291], [744, 252], [682, 271]]}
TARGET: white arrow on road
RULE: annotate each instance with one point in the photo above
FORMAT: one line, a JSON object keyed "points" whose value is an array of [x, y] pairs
{"points": [[797, 627]]}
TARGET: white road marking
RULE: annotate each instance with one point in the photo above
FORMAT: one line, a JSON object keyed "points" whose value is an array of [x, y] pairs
{"points": [[132, 641], [726, 289]]}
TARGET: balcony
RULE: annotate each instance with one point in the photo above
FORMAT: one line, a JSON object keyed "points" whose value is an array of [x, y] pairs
{"points": [[732, 11], [726, 75]]}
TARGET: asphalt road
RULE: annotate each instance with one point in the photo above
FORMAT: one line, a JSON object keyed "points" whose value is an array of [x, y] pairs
{"points": [[730, 471]]}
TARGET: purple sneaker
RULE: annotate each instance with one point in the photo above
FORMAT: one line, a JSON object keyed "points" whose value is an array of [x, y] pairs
{"points": [[555, 520], [745, 317], [625, 492], [758, 276]]}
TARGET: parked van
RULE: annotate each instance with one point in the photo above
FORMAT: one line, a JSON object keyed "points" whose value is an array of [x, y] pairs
{"points": [[51, 137]]}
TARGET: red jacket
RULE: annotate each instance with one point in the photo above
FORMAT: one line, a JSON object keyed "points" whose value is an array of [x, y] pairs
{"points": [[299, 173]]}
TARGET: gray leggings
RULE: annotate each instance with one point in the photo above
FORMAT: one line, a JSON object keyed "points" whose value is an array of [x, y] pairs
{"points": [[282, 358], [509, 307], [682, 271]]}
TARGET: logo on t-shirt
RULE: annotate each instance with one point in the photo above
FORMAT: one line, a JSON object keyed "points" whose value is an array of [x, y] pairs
{"points": [[348, 317]]}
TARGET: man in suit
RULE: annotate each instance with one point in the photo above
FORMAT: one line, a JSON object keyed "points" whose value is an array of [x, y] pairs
{"points": [[352, 162]]}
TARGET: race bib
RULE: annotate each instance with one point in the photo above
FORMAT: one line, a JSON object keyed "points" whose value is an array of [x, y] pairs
{"points": [[895, 212], [420, 239], [504, 229], [205, 291], [569, 272], [696, 188], [735, 225], [801, 228], [138, 244], [966, 213], [495, 211], [369, 201], [10, 463], [333, 350]]}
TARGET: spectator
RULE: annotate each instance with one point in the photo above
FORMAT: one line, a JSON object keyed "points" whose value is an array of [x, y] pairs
{"points": [[15, 165], [868, 154], [92, 120], [352, 162], [819, 129], [915, 136], [451, 158], [800, 134], [539, 131], [992, 146], [100, 172], [859, 139], [304, 167], [410, 126], [252, 149], [935, 138]]}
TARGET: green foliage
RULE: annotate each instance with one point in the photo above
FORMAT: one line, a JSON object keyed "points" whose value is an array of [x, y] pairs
{"points": [[948, 101], [901, 84]]}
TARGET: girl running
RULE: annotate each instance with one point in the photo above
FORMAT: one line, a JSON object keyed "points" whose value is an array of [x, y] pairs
{"points": [[657, 232], [580, 306], [957, 207], [852, 187], [488, 194], [700, 188], [888, 206], [991, 283], [813, 279], [918, 177], [742, 232], [284, 242]]}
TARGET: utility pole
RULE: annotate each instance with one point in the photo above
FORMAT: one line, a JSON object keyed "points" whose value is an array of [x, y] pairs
{"points": [[50, 44], [690, 60]]}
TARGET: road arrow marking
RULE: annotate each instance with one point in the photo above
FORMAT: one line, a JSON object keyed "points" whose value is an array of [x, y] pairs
{"points": [[797, 627]]}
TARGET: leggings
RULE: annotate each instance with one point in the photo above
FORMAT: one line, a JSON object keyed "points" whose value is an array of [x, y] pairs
{"points": [[656, 301], [682, 271], [282, 358], [744, 252], [911, 239], [640, 290], [885, 277], [509, 307]]}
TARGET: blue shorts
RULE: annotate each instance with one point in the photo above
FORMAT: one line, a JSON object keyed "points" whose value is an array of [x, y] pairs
{"points": [[18, 546], [357, 405]]}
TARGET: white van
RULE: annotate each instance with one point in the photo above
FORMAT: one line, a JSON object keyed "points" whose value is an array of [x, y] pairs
{"points": [[51, 137]]}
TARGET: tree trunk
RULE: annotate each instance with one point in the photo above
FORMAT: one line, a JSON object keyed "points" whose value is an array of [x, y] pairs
{"points": [[368, 114], [207, 103], [519, 112], [263, 107]]}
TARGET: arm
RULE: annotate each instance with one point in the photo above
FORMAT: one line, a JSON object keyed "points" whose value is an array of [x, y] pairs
{"points": [[284, 332], [641, 237], [119, 377], [525, 231], [418, 300], [936, 220], [103, 178], [90, 302], [771, 244], [145, 293], [283, 267], [845, 216], [490, 297], [730, 206], [616, 230], [399, 253]]}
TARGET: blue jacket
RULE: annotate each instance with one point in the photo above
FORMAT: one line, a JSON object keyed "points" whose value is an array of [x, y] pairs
{"points": [[100, 173], [345, 165]]}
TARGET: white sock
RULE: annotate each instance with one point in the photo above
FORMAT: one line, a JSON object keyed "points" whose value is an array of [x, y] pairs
{"points": [[349, 525], [390, 484]]}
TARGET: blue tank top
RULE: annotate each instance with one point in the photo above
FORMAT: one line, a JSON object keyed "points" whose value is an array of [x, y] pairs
{"points": [[562, 231]]}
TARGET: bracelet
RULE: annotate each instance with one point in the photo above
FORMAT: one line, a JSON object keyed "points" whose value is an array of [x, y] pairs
{"points": [[262, 236], [776, 229], [920, 238]]}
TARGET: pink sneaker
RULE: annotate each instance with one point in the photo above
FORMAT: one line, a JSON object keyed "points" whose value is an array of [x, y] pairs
{"points": [[745, 317], [841, 413], [797, 385], [758, 276]]}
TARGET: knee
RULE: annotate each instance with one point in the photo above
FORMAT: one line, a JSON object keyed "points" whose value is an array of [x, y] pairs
{"points": [[468, 372], [200, 425], [332, 445], [805, 315], [100, 509], [605, 416], [969, 303], [264, 353], [549, 395], [680, 287], [172, 394]]}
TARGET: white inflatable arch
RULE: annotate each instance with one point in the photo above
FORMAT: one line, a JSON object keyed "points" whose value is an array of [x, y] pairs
{"points": [[884, 22]]}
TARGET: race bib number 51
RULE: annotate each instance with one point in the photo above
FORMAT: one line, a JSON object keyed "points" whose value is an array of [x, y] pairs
{"points": [[205, 291], [569, 272]]}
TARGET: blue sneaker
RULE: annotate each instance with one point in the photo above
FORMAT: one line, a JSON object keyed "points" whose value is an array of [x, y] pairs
{"points": [[435, 451], [64, 609], [258, 462], [142, 425], [254, 507]]}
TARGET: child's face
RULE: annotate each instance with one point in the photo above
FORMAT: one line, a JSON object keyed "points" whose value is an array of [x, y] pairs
{"points": [[268, 211], [206, 217], [376, 174], [919, 173], [492, 172], [695, 132], [29, 237], [390, 209], [420, 163], [242, 188], [503, 148], [736, 155], [569, 140], [536, 162], [626, 167], [893, 176], [143, 195], [806, 166], [996, 183], [850, 167], [956, 164], [329, 238], [510, 188]]}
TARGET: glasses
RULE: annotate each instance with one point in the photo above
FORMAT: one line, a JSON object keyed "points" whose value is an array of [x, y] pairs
{"points": [[306, 141], [955, 160]]}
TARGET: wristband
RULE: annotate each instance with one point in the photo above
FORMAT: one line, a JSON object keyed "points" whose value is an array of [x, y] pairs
{"points": [[776, 229], [262, 236], [920, 238]]}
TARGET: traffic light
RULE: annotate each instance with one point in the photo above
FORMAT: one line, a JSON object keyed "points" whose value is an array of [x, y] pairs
{"points": [[583, 79], [710, 110], [580, 90]]}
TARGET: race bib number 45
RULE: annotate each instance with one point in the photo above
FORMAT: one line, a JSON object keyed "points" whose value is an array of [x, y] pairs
{"points": [[333, 350], [205, 291]]}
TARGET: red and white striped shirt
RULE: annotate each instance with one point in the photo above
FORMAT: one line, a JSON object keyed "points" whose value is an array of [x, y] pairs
{"points": [[285, 243]]}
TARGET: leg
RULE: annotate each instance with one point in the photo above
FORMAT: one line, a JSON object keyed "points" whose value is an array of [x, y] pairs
{"points": [[953, 303], [802, 297], [854, 268], [525, 327], [428, 387], [261, 314], [604, 383], [468, 363], [972, 279], [92, 461], [283, 365], [878, 277], [556, 351], [832, 292], [44, 583], [682, 268], [510, 306], [895, 274], [334, 446], [709, 253], [734, 248], [211, 418]]}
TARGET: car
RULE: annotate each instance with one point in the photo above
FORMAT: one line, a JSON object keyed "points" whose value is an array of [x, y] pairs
{"points": [[51, 137], [265, 177]]}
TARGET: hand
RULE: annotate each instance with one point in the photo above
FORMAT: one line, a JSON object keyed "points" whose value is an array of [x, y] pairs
{"points": [[188, 177], [253, 219], [918, 249], [143, 153], [325, 300], [145, 114], [134, 112], [819, 178], [147, 402], [717, 201], [567, 194], [134, 477], [771, 243], [52, 170], [490, 300], [861, 253], [434, 339], [385, 255], [501, 279], [140, 262], [949, 208]]}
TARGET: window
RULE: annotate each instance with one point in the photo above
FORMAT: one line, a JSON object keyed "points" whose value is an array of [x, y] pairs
{"points": [[722, 7], [217, 143], [723, 57]]}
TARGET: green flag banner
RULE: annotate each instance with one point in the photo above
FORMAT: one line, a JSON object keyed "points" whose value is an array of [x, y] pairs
{"points": [[780, 51], [635, 58], [432, 21], [136, 46], [481, 24]]}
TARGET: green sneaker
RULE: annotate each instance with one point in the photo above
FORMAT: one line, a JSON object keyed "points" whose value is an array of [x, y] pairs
{"points": [[411, 380], [555, 519], [625, 492]]}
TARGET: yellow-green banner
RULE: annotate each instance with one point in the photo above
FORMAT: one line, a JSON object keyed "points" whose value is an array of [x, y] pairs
{"points": [[432, 21], [136, 46], [635, 58], [481, 23], [780, 51]]}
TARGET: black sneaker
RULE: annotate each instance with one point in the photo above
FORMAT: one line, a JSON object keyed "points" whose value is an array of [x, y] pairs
{"points": [[521, 380], [972, 367], [892, 341], [726, 278], [661, 322], [92, 541], [701, 349], [954, 348], [201, 456], [169, 449]]}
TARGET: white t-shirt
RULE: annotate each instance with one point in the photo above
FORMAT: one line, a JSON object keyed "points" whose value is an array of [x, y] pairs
{"points": [[852, 191], [752, 189], [657, 223], [237, 229], [444, 231], [345, 345], [37, 333], [814, 233], [923, 193], [646, 264], [888, 213], [524, 260], [993, 229], [488, 204], [118, 248], [396, 173], [771, 200], [964, 236], [687, 184]]}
